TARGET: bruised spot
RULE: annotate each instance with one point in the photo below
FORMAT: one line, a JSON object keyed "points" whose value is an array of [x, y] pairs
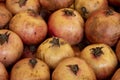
{"points": [[17, 67], [4, 58], [43, 65], [34, 33]]}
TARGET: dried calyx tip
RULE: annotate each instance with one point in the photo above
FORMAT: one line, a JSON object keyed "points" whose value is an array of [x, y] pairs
{"points": [[109, 12], [74, 68], [97, 51], [4, 38], [22, 2], [33, 62], [69, 12], [55, 41], [33, 13], [84, 11]]}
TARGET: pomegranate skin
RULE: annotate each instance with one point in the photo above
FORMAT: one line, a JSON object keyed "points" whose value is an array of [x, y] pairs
{"points": [[29, 26], [53, 5], [70, 27], [103, 26]]}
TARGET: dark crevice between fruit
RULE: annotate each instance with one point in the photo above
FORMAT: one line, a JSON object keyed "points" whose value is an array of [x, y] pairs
{"points": [[82, 44], [55, 42], [33, 62], [84, 11], [97, 51], [32, 48], [22, 2], [4, 38], [44, 13], [109, 12], [69, 12], [74, 68]]}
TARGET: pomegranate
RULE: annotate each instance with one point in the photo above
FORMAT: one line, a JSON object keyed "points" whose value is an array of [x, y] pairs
{"points": [[101, 58], [116, 75], [117, 50], [86, 7], [5, 15], [16, 6], [73, 69], [68, 24], [53, 5], [11, 47], [53, 50], [3, 72], [29, 26], [103, 26], [30, 69]]}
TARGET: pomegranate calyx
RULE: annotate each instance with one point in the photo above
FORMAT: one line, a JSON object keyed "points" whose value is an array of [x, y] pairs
{"points": [[22, 2], [55, 42], [69, 12], [97, 51], [84, 11], [4, 38], [33, 62], [74, 68], [109, 12], [32, 13]]}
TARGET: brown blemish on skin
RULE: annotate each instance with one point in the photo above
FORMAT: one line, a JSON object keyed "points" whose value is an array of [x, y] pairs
{"points": [[4, 58], [35, 33]]}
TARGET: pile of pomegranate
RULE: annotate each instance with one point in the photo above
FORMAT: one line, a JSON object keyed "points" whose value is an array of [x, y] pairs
{"points": [[59, 39]]}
